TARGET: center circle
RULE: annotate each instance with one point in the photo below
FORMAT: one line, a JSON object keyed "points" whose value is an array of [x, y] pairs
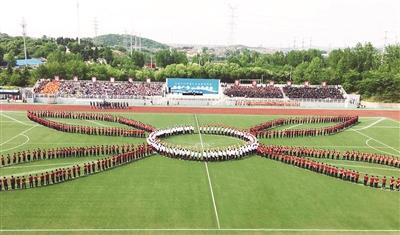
{"points": [[210, 143]]}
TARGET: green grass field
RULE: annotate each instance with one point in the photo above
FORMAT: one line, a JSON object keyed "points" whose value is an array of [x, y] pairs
{"points": [[250, 196]]}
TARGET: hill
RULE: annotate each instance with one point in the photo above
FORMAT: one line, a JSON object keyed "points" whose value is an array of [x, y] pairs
{"points": [[118, 40]]}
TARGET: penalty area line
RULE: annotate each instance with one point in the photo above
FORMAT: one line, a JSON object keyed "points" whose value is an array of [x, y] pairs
{"points": [[378, 141], [208, 174]]}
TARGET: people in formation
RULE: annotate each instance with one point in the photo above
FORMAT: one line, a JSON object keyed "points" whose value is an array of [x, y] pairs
{"points": [[123, 154], [300, 157], [336, 155], [40, 117], [261, 130], [219, 154], [108, 105]]}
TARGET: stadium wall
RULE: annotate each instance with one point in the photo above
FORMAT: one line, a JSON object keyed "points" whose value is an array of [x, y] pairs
{"points": [[206, 101]]}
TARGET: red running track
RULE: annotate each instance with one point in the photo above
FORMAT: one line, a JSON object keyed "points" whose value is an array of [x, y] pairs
{"points": [[393, 114]]}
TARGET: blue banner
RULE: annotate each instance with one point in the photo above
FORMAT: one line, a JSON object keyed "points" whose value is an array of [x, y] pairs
{"points": [[193, 85]]}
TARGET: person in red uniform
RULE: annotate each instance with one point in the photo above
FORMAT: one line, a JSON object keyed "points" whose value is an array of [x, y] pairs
{"points": [[384, 182], [365, 179], [398, 184], [392, 182]]}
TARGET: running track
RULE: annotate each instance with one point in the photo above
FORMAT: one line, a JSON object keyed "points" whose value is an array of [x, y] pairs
{"points": [[392, 114]]}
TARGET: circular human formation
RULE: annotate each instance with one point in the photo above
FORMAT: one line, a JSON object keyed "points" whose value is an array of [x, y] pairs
{"points": [[114, 155], [205, 154]]}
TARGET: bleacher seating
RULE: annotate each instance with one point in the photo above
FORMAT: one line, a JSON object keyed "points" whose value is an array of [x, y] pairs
{"points": [[89, 89], [305, 92], [253, 91]]}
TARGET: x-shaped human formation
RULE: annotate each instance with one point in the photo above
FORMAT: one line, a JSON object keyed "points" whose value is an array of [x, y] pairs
{"points": [[115, 155]]}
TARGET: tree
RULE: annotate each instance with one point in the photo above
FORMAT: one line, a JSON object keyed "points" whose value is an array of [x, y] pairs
{"points": [[2, 51], [107, 55], [315, 72], [138, 58], [167, 57]]}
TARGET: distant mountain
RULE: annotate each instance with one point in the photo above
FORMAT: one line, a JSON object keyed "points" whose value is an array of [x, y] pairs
{"points": [[3, 35], [123, 40]]}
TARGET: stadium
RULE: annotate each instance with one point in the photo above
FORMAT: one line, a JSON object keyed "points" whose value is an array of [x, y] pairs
{"points": [[179, 160], [292, 127]]}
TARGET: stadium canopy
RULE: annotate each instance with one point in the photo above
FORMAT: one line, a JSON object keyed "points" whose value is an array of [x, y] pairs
{"points": [[29, 62]]}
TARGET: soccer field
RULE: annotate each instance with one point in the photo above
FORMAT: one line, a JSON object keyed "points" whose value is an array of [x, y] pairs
{"points": [[159, 195]]}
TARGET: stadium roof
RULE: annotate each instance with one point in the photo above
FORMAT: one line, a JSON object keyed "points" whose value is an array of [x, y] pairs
{"points": [[29, 62]]}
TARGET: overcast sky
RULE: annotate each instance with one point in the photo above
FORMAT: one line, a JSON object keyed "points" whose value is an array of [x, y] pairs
{"points": [[269, 23]]}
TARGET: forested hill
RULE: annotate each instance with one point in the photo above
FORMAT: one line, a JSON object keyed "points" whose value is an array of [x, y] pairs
{"points": [[122, 40]]}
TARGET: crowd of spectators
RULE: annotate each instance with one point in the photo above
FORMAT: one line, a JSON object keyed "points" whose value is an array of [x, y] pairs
{"points": [[47, 87], [254, 91], [98, 89], [313, 92]]}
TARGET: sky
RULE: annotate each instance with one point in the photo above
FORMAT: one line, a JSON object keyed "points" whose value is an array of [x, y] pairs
{"points": [[267, 23]]}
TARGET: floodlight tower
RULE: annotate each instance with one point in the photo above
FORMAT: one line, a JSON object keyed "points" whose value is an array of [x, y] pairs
{"points": [[232, 24], [23, 25], [78, 21]]}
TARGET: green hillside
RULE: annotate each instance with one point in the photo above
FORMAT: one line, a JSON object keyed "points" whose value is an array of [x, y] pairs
{"points": [[118, 40]]}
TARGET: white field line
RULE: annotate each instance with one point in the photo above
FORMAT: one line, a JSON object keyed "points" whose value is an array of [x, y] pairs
{"points": [[378, 141], [293, 126], [15, 120], [97, 123], [208, 174], [52, 164], [26, 141], [26, 123], [386, 127], [367, 143], [39, 170], [370, 125], [343, 146], [294, 230], [367, 167], [23, 132]]}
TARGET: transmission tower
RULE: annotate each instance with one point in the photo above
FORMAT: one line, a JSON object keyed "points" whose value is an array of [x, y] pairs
{"points": [[96, 29], [131, 36], [232, 25], [385, 39], [78, 21], [384, 46], [23, 25], [125, 40], [140, 42]]}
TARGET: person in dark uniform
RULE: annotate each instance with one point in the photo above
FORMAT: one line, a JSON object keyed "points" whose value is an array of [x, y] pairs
{"points": [[5, 183], [30, 179], [12, 182], [23, 186]]}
